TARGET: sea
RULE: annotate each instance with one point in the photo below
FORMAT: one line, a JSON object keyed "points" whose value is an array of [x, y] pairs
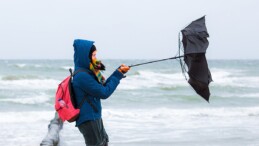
{"points": [[153, 106]]}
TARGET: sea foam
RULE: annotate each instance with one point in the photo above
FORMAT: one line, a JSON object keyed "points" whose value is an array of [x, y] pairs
{"points": [[29, 84], [149, 79], [40, 98], [140, 115], [233, 78]]}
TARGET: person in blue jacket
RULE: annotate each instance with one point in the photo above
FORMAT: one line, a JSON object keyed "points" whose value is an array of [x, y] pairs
{"points": [[92, 86]]}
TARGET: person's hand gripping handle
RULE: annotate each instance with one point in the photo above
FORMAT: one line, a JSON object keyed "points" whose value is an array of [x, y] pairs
{"points": [[124, 68]]}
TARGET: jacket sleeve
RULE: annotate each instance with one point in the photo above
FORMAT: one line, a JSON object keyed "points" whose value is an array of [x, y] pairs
{"points": [[93, 88]]}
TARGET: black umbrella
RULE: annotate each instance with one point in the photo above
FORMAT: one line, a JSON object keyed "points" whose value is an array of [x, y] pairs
{"points": [[195, 44]]}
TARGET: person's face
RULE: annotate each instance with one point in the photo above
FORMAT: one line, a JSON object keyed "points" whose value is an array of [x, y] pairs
{"points": [[94, 55]]}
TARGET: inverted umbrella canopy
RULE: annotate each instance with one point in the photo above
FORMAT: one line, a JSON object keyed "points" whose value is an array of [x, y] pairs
{"points": [[195, 37], [195, 43]]}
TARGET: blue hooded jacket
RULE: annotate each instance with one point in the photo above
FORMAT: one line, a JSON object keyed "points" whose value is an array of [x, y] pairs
{"points": [[86, 85]]}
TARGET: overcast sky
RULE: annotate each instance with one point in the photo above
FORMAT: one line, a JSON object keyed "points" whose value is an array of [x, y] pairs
{"points": [[125, 29]]}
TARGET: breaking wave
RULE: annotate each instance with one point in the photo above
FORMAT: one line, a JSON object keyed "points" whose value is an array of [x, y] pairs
{"points": [[234, 78], [149, 79], [141, 115], [18, 77], [221, 78], [31, 100], [31, 84]]}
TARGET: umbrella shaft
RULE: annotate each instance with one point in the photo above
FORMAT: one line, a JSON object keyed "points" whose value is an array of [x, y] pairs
{"points": [[155, 61]]}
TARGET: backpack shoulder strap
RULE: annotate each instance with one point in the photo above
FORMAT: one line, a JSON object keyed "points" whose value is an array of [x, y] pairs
{"points": [[85, 98], [89, 102], [77, 71]]}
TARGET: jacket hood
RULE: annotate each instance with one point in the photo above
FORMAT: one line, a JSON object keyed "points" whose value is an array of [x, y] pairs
{"points": [[81, 52]]}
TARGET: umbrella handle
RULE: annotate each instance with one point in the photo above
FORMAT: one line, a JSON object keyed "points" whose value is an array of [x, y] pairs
{"points": [[155, 61]]}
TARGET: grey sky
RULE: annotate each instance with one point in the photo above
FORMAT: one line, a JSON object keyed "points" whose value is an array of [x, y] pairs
{"points": [[129, 29]]}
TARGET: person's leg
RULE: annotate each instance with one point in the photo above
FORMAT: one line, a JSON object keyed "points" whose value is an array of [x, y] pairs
{"points": [[105, 135], [94, 133]]}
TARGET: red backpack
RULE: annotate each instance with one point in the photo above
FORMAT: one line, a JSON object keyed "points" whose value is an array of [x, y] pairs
{"points": [[65, 103]]}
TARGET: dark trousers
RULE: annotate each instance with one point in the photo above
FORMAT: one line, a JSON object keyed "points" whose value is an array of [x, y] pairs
{"points": [[94, 133]]}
